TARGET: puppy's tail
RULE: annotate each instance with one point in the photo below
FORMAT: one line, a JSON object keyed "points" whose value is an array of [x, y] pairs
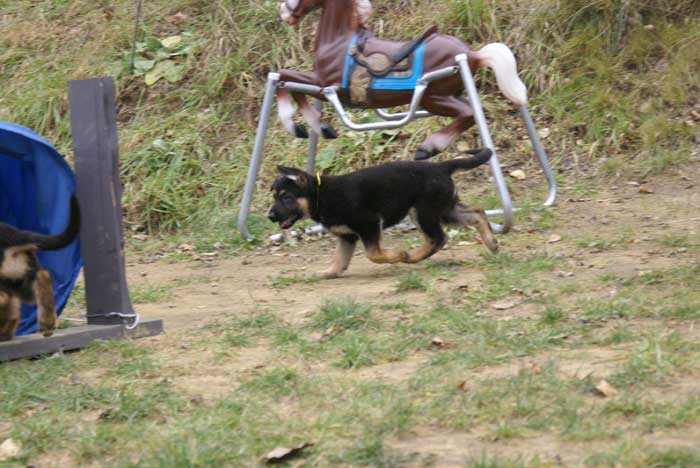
{"points": [[44, 242], [481, 156]]}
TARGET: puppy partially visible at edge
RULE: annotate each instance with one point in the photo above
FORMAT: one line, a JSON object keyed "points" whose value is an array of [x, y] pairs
{"points": [[359, 205], [22, 279]]}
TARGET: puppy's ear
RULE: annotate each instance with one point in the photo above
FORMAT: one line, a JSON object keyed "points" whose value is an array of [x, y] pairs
{"points": [[298, 176], [284, 170]]}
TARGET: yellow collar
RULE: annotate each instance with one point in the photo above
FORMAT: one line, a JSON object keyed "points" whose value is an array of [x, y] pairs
{"points": [[318, 178]]}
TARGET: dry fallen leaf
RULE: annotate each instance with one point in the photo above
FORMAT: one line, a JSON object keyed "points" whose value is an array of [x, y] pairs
{"points": [[564, 274], [177, 18], [463, 386], [437, 342], [506, 304], [605, 389], [518, 174], [554, 238], [332, 330], [9, 449], [91, 416], [279, 454], [197, 400], [186, 247], [645, 190]]}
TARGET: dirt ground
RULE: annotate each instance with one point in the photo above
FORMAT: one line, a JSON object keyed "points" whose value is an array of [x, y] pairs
{"points": [[632, 215], [222, 287]]}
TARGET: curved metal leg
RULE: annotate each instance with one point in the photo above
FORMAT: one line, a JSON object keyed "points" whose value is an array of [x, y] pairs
{"points": [[256, 157], [482, 125], [541, 156]]}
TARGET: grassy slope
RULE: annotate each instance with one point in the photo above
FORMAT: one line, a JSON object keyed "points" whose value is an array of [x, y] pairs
{"points": [[614, 83]]}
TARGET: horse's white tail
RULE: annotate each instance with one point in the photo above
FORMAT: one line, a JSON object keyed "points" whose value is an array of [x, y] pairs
{"points": [[499, 58]]}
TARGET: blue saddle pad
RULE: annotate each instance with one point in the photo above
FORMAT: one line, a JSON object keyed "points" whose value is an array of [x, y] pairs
{"points": [[35, 188], [398, 82]]}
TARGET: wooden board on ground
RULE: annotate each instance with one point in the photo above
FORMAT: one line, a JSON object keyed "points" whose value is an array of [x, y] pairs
{"points": [[68, 339]]}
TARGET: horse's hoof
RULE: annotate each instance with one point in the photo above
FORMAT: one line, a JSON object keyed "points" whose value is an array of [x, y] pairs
{"points": [[328, 132], [300, 131], [422, 154]]}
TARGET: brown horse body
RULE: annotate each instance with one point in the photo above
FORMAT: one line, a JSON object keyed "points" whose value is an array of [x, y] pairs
{"points": [[340, 21]]}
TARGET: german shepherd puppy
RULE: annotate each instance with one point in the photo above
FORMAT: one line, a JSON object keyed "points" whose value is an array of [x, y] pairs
{"points": [[22, 279], [361, 204]]}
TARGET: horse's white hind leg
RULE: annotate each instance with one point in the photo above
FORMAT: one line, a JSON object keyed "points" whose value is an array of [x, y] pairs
{"points": [[448, 106], [285, 110]]}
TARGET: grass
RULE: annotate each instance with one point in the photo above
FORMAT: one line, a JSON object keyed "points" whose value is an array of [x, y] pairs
{"points": [[358, 376], [284, 281], [322, 381], [143, 294], [185, 145], [344, 314], [411, 281]]}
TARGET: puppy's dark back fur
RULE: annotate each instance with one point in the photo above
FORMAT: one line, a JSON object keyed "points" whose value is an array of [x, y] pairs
{"points": [[355, 199]]}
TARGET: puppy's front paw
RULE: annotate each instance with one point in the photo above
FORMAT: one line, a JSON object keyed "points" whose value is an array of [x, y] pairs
{"points": [[329, 274], [47, 326], [493, 246]]}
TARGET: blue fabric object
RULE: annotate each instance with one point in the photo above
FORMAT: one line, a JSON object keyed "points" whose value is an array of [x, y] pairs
{"points": [[388, 82], [35, 188]]}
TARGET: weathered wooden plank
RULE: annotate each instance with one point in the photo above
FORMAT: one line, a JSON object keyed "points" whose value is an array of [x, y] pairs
{"points": [[68, 339], [96, 148]]}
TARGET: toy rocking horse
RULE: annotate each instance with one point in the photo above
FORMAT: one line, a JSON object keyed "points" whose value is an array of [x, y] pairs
{"points": [[353, 68]]}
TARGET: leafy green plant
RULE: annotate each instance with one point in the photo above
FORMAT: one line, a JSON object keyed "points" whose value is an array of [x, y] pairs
{"points": [[163, 58]]}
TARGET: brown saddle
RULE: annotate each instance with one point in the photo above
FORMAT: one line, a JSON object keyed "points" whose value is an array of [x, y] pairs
{"points": [[381, 57]]}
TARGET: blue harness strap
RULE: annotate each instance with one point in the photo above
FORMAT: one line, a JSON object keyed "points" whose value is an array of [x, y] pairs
{"points": [[349, 62], [388, 82]]}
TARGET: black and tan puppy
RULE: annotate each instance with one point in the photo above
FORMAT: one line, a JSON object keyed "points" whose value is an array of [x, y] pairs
{"points": [[359, 205], [22, 279]]}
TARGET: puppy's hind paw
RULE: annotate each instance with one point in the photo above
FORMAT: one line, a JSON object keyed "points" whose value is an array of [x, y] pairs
{"points": [[329, 274]]}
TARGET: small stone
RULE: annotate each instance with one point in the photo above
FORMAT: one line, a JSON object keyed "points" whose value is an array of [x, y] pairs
{"points": [[605, 389], [9, 449], [518, 174]]}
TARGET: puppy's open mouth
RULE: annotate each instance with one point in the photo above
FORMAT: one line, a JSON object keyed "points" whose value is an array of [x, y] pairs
{"points": [[287, 223]]}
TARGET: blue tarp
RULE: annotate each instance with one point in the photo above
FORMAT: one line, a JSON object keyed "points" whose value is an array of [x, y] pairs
{"points": [[35, 188]]}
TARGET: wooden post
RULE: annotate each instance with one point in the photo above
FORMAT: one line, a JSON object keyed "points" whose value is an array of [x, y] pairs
{"points": [[96, 148], [93, 122]]}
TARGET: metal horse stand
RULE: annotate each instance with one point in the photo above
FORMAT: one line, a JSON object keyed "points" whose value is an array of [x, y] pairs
{"points": [[396, 120]]}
